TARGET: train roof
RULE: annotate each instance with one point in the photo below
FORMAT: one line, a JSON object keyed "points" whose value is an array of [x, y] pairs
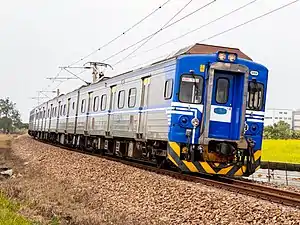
{"points": [[207, 49]]}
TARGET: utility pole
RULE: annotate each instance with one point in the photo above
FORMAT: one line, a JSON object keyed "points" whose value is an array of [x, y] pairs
{"points": [[94, 66]]}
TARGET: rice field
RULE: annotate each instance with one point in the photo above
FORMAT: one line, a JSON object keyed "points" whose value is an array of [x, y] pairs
{"points": [[281, 151]]}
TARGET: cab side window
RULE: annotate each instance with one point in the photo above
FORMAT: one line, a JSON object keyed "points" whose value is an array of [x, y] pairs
{"points": [[168, 89], [255, 96]]}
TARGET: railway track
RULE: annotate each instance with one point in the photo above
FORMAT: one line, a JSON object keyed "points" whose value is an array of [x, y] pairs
{"points": [[233, 185]]}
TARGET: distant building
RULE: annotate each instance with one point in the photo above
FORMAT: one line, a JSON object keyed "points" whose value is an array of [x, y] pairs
{"points": [[296, 119], [273, 116]]}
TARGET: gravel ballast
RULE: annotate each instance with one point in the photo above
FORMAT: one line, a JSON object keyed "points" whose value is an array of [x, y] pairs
{"points": [[82, 189]]}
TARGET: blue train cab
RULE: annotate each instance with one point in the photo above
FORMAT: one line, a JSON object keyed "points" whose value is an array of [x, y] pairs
{"points": [[219, 100]]}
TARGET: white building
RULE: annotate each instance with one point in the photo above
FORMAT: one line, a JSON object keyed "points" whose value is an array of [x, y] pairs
{"points": [[273, 116], [296, 119]]}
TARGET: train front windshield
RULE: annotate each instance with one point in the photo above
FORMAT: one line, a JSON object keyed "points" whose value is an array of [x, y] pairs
{"points": [[191, 88]]}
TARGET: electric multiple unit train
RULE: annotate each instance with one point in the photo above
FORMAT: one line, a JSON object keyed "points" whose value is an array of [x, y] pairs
{"points": [[201, 110]]}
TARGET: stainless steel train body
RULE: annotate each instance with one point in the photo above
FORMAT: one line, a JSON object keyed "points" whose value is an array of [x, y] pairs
{"points": [[201, 110]]}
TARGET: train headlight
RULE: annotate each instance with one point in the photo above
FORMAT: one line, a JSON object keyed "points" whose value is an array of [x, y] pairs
{"points": [[232, 57], [195, 122], [222, 56]]}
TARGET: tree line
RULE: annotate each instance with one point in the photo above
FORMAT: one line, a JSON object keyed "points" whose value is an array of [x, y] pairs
{"points": [[10, 117], [280, 130]]}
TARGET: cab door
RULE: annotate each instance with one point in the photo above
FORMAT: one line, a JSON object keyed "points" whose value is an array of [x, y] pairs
{"points": [[225, 110]]}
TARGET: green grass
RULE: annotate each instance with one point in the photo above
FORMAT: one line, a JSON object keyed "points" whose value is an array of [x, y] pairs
{"points": [[9, 213], [281, 151]]}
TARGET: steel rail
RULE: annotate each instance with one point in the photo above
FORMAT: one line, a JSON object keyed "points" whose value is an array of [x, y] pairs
{"points": [[233, 185]]}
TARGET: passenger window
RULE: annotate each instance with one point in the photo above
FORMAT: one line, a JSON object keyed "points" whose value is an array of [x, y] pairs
{"points": [[131, 97], [168, 89], [83, 105], [255, 96], [103, 102], [121, 99], [222, 90], [191, 88], [96, 104]]}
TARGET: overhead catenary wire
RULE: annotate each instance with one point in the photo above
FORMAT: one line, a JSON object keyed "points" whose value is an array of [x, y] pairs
{"points": [[147, 40], [115, 38], [120, 35], [249, 21], [235, 27], [77, 74], [169, 25], [194, 30]]}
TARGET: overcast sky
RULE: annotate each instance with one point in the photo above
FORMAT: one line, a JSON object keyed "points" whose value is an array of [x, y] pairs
{"points": [[39, 36]]}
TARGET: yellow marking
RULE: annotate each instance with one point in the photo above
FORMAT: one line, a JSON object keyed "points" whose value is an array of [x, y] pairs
{"points": [[225, 170], [257, 168], [217, 164], [257, 154], [241, 171], [190, 166], [207, 168], [175, 147], [172, 160], [202, 68]]}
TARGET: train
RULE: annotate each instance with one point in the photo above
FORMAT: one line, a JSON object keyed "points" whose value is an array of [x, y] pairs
{"points": [[200, 110]]}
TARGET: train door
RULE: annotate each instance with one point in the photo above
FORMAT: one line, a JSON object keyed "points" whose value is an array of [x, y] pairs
{"points": [[38, 119], [58, 112], [112, 104], [90, 97], [68, 113], [226, 105], [42, 118], [142, 120], [46, 117], [50, 116]]}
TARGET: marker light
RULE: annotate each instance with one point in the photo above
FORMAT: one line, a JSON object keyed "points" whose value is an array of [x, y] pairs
{"points": [[231, 57], [195, 122], [222, 56]]}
